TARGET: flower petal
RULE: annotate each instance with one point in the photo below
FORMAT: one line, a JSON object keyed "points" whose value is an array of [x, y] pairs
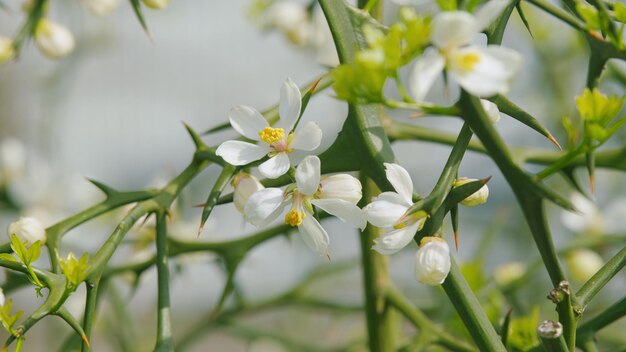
{"points": [[493, 72], [314, 235], [401, 181], [340, 186], [276, 166], [308, 175], [424, 73], [290, 104], [307, 137], [394, 241], [247, 121], [385, 210], [491, 109], [453, 29], [432, 262], [262, 206], [487, 13], [241, 153], [344, 210]]}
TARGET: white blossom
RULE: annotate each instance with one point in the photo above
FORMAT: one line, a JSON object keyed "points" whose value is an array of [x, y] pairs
{"points": [[12, 160], [156, 4], [7, 51], [101, 7], [2, 299], [53, 40], [509, 272], [481, 71], [28, 229], [589, 219], [267, 204], [389, 210], [432, 261], [583, 264], [276, 142], [491, 109], [245, 186], [477, 198]]}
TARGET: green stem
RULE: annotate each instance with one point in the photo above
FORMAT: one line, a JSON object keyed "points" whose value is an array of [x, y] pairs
{"points": [[426, 326], [91, 305], [560, 14], [165, 341], [611, 314], [379, 315], [470, 311], [600, 279]]}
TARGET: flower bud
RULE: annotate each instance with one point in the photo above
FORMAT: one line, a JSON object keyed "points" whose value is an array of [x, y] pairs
{"points": [[6, 50], [245, 185], [292, 19], [101, 8], [156, 4], [432, 261], [340, 186], [1, 297], [491, 109], [53, 40], [477, 198], [509, 272], [12, 160], [28, 229], [583, 264]]}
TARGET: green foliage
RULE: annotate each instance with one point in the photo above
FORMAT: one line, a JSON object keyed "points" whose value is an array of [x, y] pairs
{"points": [[75, 271], [589, 15], [598, 110], [8, 320], [619, 11], [523, 332], [363, 81], [26, 255]]}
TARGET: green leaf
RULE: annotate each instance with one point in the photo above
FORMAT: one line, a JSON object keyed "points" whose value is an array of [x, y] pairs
{"points": [[619, 11], [34, 251], [523, 331], [220, 184], [589, 14], [597, 107], [7, 257], [19, 249]]}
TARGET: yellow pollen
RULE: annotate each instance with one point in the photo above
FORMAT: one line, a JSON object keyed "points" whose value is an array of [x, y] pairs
{"points": [[466, 62], [271, 135], [294, 218]]}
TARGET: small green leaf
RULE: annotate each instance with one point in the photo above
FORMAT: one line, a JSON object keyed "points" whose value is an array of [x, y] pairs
{"points": [[7, 257], [19, 249], [589, 14], [598, 107], [619, 11], [34, 251]]}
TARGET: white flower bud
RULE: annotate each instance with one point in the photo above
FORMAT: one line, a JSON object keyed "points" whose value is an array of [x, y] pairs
{"points": [[1, 297], [12, 160], [156, 4], [509, 272], [491, 109], [245, 186], [432, 261], [6, 50], [101, 7], [28, 229], [53, 40], [477, 198], [286, 16], [340, 186], [583, 264]]}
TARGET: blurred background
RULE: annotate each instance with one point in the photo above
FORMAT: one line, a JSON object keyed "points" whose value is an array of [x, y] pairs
{"points": [[113, 111]]}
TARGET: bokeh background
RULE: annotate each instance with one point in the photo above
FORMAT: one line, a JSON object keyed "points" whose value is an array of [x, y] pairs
{"points": [[113, 111]]}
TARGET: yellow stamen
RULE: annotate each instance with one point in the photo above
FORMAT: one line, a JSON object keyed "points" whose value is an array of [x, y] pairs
{"points": [[294, 218], [271, 135], [411, 219], [466, 62]]}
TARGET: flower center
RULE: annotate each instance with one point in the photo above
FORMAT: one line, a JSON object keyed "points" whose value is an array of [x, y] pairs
{"points": [[294, 218], [271, 135], [467, 61]]}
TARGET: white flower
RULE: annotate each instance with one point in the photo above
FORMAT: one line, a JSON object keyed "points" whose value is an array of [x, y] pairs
{"points": [[28, 229], [12, 160], [583, 264], [591, 220], [509, 272], [53, 40], [482, 72], [292, 19], [389, 210], [6, 50], [156, 4], [432, 261], [245, 186], [101, 7], [491, 109], [1, 297], [277, 142], [267, 204], [477, 198]]}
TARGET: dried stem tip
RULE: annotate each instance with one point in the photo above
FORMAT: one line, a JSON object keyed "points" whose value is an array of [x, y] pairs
{"points": [[550, 329]]}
